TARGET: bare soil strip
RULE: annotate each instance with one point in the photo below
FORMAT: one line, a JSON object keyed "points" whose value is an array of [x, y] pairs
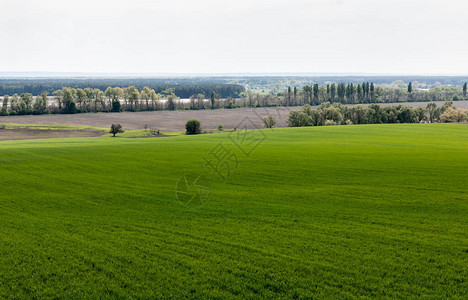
{"points": [[28, 133]]}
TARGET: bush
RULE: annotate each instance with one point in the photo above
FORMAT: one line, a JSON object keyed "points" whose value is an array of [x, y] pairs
{"points": [[269, 121], [220, 127], [193, 127], [329, 122], [454, 115], [115, 106], [299, 119]]}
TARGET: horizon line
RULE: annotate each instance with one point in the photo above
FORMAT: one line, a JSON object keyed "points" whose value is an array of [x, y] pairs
{"points": [[43, 74]]}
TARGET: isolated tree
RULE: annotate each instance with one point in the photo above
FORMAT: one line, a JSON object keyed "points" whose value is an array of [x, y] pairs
{"points": [[193, 127], [269, 121], [464, 90], [410, 88], [116, 128], [289, 96]]}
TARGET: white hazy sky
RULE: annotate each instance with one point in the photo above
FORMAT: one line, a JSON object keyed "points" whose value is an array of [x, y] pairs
{"points": [[237, 36]]}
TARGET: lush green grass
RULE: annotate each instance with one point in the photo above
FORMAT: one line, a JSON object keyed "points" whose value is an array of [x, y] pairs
{"points": [[374, 211]]}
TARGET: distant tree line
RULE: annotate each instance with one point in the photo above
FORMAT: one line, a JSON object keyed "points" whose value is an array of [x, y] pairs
{"points": [[269, 81], [370, 93], [366, 92], [184, 90], [115, 99], [338, 114]]}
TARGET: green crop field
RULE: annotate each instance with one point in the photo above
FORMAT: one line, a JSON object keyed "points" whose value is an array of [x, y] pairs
{"points": [[377, 211]]}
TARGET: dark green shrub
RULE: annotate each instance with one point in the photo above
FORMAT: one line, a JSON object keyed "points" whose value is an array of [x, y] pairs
{"points": [[115, 106], [192, 127]]}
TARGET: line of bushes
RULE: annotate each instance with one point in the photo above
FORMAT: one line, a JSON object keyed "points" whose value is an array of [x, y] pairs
{"points": [[338, 114]]}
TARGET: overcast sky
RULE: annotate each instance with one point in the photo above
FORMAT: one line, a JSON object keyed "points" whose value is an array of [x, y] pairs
{"points": [[238, 36]]}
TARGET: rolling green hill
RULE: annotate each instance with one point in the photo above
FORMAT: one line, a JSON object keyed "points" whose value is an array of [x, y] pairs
{"points": [[323, 212]]}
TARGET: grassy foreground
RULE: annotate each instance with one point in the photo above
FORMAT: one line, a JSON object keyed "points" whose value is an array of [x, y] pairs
{"points": [[323, 212]]}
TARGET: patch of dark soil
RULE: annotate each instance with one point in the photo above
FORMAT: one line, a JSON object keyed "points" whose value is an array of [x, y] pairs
{"points": [[30, 133]]}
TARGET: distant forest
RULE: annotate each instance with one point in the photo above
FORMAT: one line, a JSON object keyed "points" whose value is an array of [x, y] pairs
{"points": [[184, 87], [225, 86]]}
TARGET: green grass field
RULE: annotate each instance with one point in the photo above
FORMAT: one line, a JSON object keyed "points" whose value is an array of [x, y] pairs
{"points": [[378, 211]]}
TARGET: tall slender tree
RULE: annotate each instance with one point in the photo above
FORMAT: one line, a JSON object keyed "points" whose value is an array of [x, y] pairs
{"points": [[213, 100], [316, 93], [5, 101], [295, 95], [332, 92], [80, 97]]}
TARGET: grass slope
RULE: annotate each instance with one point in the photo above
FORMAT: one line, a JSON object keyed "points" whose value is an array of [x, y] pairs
{"points": [[345, 211]]}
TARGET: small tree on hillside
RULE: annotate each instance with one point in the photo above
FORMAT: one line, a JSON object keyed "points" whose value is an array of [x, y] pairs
{"points": [[193, 127], [269, 121], [116, 128]]}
